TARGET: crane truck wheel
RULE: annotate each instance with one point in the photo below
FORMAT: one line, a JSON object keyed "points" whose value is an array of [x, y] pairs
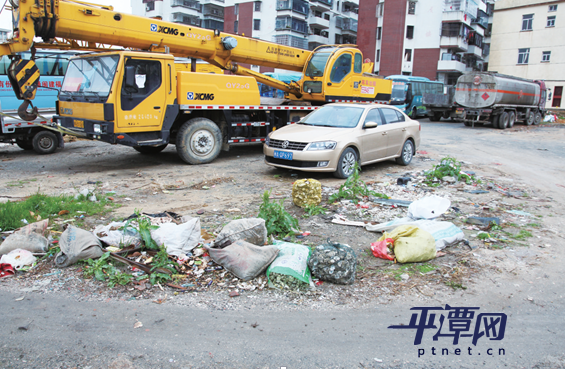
{"points": [[45, 142], [24, 144], [199, 141], [538, 118], [149, 150], [511, 119], [503, 120], [530, 118]]}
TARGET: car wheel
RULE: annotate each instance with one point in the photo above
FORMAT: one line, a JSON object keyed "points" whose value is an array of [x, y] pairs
{"points": [[503, 120], [511, 119], [24, 144], [199, 141], [149, 150], [406, 154], [346, 163], [45, 142]]}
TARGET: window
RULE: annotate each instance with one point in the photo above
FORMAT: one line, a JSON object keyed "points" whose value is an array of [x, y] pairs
{"points": [[150, 6], [551, 21], [358, 65], [411, 7], [235, 26], [326, 16], [545, 56], [379, 32], [341, 68], [374, 116], [236, 9], [257, 6], [410, 32], [147, 80], [552, 8], [523, 55], [256, 24], [378, 58], [380, 9], [392, 116], [408, 55], [527, 20]]}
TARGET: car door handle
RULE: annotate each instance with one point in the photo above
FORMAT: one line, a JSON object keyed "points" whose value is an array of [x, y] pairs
{"points": [[404, 129], [156, 107], [384, 133]]}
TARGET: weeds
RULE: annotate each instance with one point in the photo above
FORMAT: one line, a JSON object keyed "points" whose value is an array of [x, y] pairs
{"points": [[277, 219], [100, 268], [455, 285], [119, 278], [522, 235], [311, 210], [353, 188], [448, 167], [144, 228], [41, 206], [160, 267]]}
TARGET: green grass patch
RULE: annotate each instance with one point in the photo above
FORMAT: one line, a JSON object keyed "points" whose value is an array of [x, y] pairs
{"points": [[411, 269], [455, 285], [12, 212], [522, 235], [534, 225], [448, 167], [21, 182]]}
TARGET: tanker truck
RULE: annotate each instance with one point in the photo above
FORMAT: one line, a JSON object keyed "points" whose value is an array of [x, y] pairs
{"points": [[497, 99]]}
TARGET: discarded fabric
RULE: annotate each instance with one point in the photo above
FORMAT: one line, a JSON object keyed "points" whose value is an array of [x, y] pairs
{"points": [[77, 244], [251, 230], [245, 260], [30, 238]]}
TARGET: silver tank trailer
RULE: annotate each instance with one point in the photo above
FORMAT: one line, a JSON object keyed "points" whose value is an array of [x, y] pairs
{"points": [[483, 90]]}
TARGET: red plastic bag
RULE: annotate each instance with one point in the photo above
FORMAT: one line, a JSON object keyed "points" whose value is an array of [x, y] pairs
{"points": [[380, 249]]}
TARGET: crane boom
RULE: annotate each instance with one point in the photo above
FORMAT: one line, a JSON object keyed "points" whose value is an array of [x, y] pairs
{"points": [[96, 24]]}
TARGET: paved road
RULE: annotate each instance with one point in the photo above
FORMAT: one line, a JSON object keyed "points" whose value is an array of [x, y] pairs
{"points": [[64, 333]]}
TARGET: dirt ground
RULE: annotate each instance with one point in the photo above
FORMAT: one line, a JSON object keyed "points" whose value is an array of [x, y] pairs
{"points": [[521, 169]]}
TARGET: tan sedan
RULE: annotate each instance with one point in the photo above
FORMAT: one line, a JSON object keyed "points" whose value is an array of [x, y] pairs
{"points": [[335, 136]]}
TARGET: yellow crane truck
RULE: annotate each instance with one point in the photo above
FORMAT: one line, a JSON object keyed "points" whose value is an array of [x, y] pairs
{"points": [[128, 90]]}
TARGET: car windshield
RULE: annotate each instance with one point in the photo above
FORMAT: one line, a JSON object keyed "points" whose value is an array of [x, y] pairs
{"points": [[317, 64], [334, 116], [90, 76], [398, 91]]}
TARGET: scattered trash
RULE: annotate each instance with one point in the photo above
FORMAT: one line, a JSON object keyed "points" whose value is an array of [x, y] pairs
{"points": [[402, 181], [20, 298], [551, 118], [6, 270], [137, 324], [77, 244], [178, 238], [519, 212], [18, 259], [290, 269], [404, 277], [234, 293], [392, 202], [483, 221], [383, 249], [114, 234], [245, 260], [251, 230], [428, 207], [28, 238], [306, 192], [411, 244], [476, 191], [333, 262]]}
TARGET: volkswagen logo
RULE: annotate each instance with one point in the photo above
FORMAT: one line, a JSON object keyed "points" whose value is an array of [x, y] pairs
{"points": [[285, 144]]}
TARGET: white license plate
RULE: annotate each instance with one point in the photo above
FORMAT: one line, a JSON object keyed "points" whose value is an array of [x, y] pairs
{"points": [[283, 155]]}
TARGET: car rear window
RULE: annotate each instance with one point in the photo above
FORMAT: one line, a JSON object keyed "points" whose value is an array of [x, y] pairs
{"points": [[335, 116]]}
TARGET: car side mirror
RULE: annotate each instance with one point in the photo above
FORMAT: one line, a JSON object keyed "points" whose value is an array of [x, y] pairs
{"points": [[370, 125], [130, 76]]}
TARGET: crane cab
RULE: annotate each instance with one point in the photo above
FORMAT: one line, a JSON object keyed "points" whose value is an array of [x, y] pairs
{"points": [[337, 73]]}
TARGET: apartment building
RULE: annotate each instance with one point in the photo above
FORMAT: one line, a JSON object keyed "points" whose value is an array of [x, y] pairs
{"points": [[437, 39], [296, 23], [527, 41], [201, 13], [4, 34]]}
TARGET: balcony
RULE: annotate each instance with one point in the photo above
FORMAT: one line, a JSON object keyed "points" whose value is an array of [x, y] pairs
{"points": [[321, 39], [475, 50], [455, 42], [210, 10], [319, 22], [189, 4], [451, 66], [184, 18], [298, 6], [461, 17], [321, 5], [290, 40]]}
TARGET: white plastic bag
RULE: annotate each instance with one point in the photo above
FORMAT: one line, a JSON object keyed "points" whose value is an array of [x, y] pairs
{"points": [[18, 258], [429, 207], [178, 238]]}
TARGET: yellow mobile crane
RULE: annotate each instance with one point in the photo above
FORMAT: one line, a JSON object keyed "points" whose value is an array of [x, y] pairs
{"points": [[137, 97]]}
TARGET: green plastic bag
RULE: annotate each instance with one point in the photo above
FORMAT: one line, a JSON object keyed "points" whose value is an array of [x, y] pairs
{"points": [[292, 260]]}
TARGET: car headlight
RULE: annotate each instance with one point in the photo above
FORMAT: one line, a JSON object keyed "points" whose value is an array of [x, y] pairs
{"points": [[267, 141], [322, 145], [97, 128]]}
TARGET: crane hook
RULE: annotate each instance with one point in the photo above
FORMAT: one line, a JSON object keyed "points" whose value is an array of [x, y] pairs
{"points": [[24, 114]]}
